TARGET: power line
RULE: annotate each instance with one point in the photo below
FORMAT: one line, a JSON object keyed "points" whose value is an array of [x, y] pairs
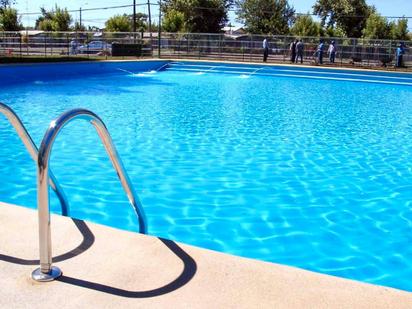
{"points": [[89, 9], [204, 8]]}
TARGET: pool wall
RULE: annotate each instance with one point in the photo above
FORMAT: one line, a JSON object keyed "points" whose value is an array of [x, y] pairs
{"points": [[18, 73], [293, 71], [21, 73]]}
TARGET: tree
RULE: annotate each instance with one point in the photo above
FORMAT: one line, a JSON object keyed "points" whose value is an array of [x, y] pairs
{"points": [[55, 20], [118, 23], [304, 25], [206, 16], [174, 21], [124, 23], [9, 20], [399, 30], [333, 32], [376, 27], [349, 15], [141, 22], [265, 16], [79, 28]]}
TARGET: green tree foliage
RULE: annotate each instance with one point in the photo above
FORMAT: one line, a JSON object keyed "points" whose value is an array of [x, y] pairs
{"points": [[9, 20], [333, 32], [376, 27], [79, 28], [124, 23], [399, 30], [199, 16], [349, 15], [304, 25], [265, 16], [119, 23], [55, 20], [174, 21], [141, 22]]}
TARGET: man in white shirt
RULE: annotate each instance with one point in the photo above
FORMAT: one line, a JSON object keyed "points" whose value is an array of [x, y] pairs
{"points": [[332, 52], [265, 50]]}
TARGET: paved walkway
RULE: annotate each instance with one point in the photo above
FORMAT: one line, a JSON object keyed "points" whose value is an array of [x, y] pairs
{"points": [[108, 268]]}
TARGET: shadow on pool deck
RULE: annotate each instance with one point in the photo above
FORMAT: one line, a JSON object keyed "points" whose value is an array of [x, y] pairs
{"points": [[87, 242], [189, 269], [187, 274], [118, 269]]}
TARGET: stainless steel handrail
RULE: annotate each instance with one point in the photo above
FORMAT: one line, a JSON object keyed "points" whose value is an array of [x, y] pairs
{"points": [[47, 272], [33, 151]]}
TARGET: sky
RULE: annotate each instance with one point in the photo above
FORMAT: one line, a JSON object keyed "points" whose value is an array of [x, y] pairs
{"points": [[97, 18]]}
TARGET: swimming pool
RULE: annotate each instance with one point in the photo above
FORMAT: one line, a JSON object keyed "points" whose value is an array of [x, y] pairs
{"points": [[305, 167]]}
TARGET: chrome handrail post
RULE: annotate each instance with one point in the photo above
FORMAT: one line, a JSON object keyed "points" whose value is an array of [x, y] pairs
{"points": [[32, 149], [121, 173], [47, 272]]}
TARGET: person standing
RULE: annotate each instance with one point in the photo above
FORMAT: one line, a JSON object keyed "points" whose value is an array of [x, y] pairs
{"points": [[265, 50], [292, 49], [73, 47], [332, 52], [319, 52], [399, 55], [299, 51]]}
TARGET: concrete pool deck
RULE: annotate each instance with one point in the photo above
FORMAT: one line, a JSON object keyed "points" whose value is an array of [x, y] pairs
{"points": [[105, 267]]}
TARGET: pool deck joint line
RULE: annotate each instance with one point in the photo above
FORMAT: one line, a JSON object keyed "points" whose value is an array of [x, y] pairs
{"points": [[105, 267]]}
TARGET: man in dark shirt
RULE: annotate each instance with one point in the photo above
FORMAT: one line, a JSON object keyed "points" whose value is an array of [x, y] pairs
{"points": [[319, 52], [399, 55], [265, 49], [299, 51], [292, 49]]}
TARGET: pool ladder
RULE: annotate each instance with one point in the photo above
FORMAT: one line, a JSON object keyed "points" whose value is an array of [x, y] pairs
{"points": [[47, 272]]}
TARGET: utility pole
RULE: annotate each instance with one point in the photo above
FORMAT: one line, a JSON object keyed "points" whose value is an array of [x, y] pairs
{"points": [[159, 33], [134, 16], [150, 23], [80, 19]]}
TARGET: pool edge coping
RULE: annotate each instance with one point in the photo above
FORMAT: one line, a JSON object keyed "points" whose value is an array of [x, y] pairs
{"points": [[210, 61], [262, 282]]}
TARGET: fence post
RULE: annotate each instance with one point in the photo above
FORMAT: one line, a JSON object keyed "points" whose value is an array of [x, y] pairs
{"points": [[20, 45], [200, 45], [45, 46], [243, 52], [250, 48], [220, 47], [188, 40]]}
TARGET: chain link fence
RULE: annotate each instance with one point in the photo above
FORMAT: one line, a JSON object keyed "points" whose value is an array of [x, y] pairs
{"points": [[105, 45], [350, 52]]}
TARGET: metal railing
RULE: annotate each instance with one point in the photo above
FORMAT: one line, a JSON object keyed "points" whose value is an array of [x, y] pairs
{"points": [[248, 48], [33, 151], [47, 272], [243, 47], [71, 44]]}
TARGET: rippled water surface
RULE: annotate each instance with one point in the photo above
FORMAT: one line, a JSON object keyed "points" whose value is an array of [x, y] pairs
{"points": [[310, 173]]}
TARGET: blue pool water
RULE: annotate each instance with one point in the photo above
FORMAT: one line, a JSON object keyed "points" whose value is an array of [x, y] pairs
{"points": [[309, 172]]}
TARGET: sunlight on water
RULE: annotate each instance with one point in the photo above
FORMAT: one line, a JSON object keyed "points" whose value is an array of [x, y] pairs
{"points": [[305, 172]]}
